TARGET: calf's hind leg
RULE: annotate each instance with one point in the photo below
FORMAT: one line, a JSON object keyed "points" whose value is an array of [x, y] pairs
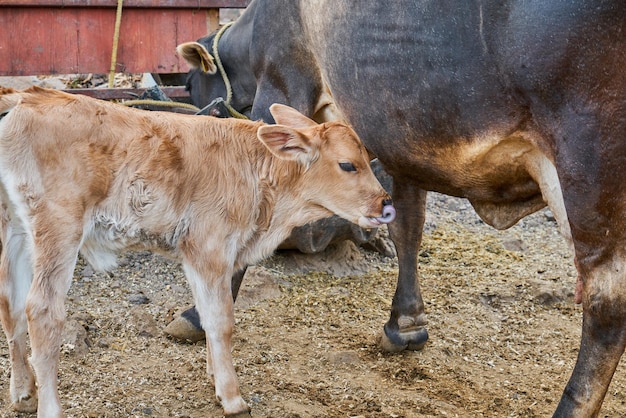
{"points": [[15, 279], [55, 255]]}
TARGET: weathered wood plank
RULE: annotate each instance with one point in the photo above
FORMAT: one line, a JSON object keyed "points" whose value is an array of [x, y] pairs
{"points": [[64, 39], [146, 4]]}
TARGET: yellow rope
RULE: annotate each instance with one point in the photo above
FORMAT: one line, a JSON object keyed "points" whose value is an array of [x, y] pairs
{"points": [[148, 102], [116, 38], [220, 67], [234, 113], [218, 61]]}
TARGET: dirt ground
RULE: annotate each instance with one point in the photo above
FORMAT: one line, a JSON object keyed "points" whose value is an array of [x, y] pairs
{"points": [[504, 332]]}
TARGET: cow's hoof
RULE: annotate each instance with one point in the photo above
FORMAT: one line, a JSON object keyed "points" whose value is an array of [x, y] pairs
{"points": [[394, 341], [26, 404], [186, 327]]}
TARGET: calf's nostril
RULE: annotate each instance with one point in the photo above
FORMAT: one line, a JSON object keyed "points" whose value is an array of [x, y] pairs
{"points": [[387, 202]]}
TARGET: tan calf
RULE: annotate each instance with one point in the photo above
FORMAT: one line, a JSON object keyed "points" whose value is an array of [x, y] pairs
{"points": [[79, 174]]}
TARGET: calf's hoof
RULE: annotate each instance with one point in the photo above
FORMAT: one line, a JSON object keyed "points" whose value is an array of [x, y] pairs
{"points": [[245, 414], [27, 404], [395, 340], [186, 327]]}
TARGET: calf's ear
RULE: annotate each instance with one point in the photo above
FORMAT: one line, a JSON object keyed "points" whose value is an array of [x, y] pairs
{"points": [[286, 143], [288, 116], [197, 56]]}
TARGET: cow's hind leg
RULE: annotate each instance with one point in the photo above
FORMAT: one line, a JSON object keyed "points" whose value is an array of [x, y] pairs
{"points": [[55, 253], [15, 281], [406, 328], [187, 326], [603, 340]]}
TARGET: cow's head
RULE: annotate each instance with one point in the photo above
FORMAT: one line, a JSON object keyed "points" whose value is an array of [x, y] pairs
{"points": [[336, 172], [205, 83]]}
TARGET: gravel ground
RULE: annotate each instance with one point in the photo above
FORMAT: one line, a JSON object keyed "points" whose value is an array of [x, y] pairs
{"points": [[503, 325]]}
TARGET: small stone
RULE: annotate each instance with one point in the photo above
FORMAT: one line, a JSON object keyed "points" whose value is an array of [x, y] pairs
{"points": [[548, 293], [514, 244], [103, 343], [75, 338], [549, 216], [178, 289], [338, 291], [343, 357], [138, 299], [87, 271], [144, 322], [123, 261]]}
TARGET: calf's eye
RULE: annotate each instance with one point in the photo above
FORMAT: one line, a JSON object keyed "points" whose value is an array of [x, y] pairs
{"points": [[347, 167]]}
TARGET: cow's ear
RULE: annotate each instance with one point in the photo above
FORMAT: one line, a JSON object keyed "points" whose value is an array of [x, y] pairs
{"points": [[288, 116], [286, 143], [197, 56]]}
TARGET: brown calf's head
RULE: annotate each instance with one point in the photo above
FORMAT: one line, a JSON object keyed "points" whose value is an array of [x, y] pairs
{"points": [[338, 176]]}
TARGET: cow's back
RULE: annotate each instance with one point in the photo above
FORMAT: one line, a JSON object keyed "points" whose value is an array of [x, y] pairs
{"points": [[438, 75], [424, 75]]}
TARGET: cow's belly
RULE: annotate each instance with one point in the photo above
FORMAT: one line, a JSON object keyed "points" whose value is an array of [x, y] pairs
{"points": [[505, 177]]}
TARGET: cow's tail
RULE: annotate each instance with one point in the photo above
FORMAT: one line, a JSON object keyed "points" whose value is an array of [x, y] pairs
{"points": [[9, 98]]}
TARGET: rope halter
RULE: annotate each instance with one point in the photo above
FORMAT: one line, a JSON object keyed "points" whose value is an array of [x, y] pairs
{"points": [[220, 67]]}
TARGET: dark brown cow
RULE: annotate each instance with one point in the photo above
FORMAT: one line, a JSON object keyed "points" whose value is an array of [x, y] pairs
{"points": [[80, 174], [511, 104]]}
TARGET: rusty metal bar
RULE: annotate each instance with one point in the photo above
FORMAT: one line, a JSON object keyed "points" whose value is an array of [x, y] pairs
{"points": [[127, 93]]}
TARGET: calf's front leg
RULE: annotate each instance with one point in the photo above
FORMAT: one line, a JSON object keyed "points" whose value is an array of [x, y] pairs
{"points": [[211, 286]]}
